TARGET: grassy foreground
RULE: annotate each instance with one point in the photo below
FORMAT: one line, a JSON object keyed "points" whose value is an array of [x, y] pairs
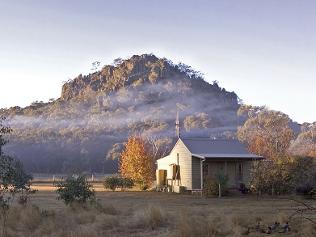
{"points": [[155, 214]]}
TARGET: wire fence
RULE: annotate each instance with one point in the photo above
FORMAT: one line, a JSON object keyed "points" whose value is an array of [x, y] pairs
{"points": [[42, 177]]}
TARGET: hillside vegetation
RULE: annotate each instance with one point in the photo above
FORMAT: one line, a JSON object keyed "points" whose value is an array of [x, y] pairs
{"points": [[84, 129], [96, 111]]}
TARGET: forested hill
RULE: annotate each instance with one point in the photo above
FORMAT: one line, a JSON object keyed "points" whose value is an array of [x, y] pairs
{"points": [[139, 95]]}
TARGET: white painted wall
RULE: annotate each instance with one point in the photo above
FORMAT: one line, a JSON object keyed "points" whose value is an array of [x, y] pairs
{"points": [[185, 162]]}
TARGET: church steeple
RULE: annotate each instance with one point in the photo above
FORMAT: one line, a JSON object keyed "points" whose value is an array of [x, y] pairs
{"points": [[177, 124], [179, 107]]}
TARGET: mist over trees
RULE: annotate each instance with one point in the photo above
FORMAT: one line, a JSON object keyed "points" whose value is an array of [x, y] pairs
{"points": [[305, 142], [86, 128], [77, 131]]}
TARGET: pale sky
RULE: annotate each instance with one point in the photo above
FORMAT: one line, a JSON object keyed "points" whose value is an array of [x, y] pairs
{"points": [[265, 51]]}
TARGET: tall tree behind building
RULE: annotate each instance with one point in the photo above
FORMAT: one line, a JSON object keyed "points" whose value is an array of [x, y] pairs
{"points": [[266, 132]]}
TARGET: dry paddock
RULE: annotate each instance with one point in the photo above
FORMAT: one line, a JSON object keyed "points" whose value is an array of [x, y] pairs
{"points": [[157, 214]]}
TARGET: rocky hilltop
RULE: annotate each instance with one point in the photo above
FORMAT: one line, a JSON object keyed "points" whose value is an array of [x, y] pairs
{"points": [[99, 110]]}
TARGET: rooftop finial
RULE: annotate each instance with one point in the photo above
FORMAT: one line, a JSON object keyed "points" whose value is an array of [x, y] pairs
{"points": [[182, 107], [177, 124]]}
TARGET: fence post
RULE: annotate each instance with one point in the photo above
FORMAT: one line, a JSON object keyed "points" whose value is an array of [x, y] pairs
{"points": [[219, 190]]}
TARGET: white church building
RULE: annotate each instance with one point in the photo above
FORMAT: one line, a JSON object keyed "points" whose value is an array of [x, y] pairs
{"points": [[193, 160]]}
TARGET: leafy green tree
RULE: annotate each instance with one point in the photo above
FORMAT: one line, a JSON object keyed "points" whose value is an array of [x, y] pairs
{"points": [[13, 179], [114, 182], [75, 189], [126, 183]]}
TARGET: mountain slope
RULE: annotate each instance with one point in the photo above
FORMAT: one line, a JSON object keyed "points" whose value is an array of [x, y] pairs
{"points": [[95, 111]]}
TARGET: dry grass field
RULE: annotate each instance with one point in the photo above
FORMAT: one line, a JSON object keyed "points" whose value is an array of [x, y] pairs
{"points": [[155, 214]]}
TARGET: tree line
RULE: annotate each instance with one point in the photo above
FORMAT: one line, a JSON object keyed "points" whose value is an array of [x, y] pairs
{"points": [[286, 168]]}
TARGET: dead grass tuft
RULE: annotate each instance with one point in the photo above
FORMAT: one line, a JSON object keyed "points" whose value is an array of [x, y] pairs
{"points": [[28, 217], [31, 217], [84, 232], [219, 225], [151, 217], [108, 209], [84, 217], [282, 217], [106, 222], [308, 230]]}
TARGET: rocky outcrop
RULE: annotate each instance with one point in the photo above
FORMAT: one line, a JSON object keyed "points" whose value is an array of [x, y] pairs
{"points": [[95, 111]]}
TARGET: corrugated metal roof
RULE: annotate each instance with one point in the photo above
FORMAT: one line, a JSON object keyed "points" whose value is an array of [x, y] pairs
{"points": [[213, 148]]}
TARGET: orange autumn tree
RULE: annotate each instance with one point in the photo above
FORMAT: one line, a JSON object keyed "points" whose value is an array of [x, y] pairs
{"points": [[136, 162]]}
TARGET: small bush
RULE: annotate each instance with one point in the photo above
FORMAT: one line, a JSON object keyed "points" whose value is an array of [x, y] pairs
{"points": [[211, 186], [307, 190], [114, 182], [243, 189], [111, 182], [75, 189], [126, 183]]}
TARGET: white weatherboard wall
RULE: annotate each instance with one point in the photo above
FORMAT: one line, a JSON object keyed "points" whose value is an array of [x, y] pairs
{"points": [[185, 162], [164, 164]]}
